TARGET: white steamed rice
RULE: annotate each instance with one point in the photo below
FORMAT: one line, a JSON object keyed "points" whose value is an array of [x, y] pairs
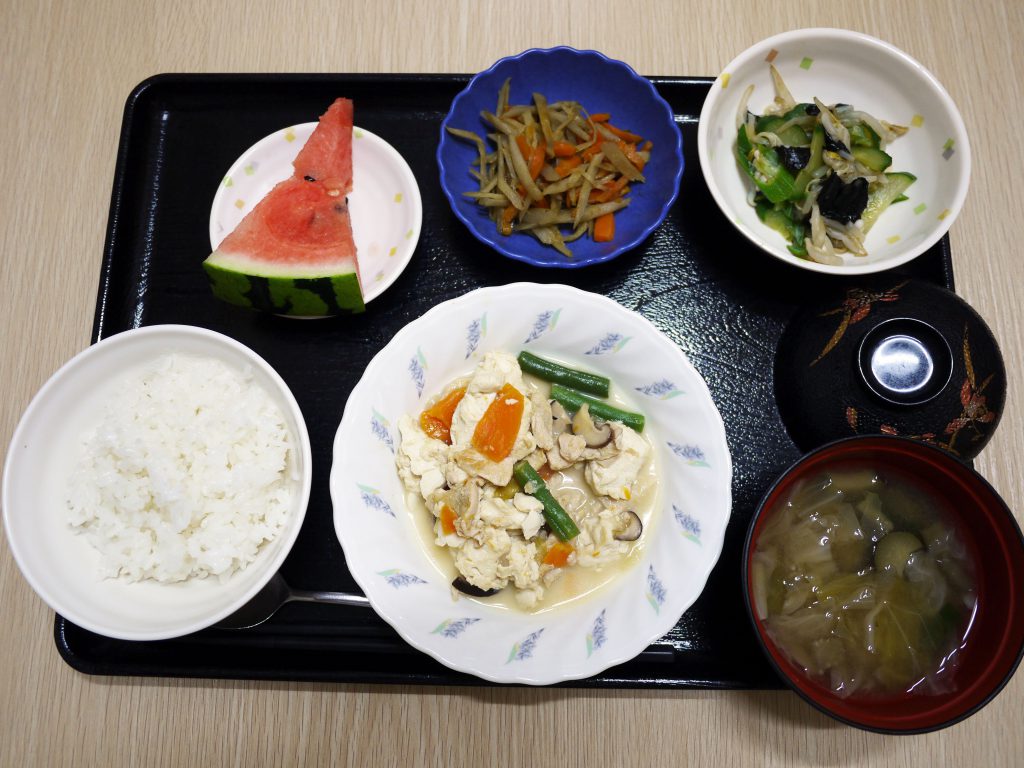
{"points": [[186, 475]]}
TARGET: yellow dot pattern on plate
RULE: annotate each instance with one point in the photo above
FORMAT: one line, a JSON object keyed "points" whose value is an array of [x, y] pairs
{"points": [[379, 276], [893, 239], [239, 204], [917, 121], [726, 77], [227, 181], [408, 235], [357, 133], [398, 197], [250, 170], [944, 214], [920, 209], [289, 135], [392, 252], [805, 62]]}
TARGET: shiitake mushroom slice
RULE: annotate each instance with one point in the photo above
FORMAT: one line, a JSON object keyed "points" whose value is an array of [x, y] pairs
{"points": [[472, 590]]}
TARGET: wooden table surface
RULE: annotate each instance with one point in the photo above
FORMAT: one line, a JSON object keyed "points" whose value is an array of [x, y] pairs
{"points": [[65, 70]]}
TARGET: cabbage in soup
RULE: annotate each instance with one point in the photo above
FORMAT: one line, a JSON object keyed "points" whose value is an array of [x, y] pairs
{"points": [[860, 578]]}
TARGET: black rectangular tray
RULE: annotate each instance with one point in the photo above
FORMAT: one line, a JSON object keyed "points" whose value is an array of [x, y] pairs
{"points": [[720, 299]]}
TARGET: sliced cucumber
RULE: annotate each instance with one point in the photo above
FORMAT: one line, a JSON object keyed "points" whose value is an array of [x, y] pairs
{"points": [[800, 110], [784, 220], [861, 135], [793, 136], [775, 219], [882, 196], [875, 159], [798, 247], [807, 172]]}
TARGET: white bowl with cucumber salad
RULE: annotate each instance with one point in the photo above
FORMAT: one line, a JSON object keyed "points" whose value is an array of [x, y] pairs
{"points": [[914, 181], [388, 536]]}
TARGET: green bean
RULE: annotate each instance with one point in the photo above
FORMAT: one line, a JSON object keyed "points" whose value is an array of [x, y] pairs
{"points": [[572, 400], [558, 519], [549, 371]]}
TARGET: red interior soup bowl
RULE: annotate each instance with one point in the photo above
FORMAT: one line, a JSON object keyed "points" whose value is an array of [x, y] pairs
{"points": [[885, 581]]}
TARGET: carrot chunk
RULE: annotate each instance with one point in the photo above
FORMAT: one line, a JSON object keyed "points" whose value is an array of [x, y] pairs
{"points": [[496, 432], [558, 555], [447, 520], [436, 420]]}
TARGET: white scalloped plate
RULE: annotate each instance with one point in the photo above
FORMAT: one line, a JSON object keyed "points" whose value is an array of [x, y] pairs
{"points": [[388, 558], [385, 204]]}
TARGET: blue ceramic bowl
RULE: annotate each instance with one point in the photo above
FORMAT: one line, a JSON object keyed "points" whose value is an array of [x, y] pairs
{"points": [[598, 83]]}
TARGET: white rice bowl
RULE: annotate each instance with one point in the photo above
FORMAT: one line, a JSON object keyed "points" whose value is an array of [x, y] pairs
{"points": [[123, 517], [387, 555]]}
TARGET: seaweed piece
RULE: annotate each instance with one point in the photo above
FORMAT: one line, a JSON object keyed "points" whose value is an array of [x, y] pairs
{"points": [[794, 158], [843, 202], [836, 146]]}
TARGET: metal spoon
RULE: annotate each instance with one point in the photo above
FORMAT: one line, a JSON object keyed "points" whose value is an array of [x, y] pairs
{"points": [[276, 593]]}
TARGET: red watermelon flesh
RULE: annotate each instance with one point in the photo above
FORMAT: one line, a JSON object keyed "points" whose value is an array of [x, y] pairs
{"points": [[327, 155], [300, 225]]}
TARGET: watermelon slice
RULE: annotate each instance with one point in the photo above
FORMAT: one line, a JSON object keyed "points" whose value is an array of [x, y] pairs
{"points": [[327, 156], [294, 254]]}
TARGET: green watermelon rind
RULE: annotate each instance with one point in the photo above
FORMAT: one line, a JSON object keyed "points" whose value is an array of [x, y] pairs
{"points": [[280, 293]]}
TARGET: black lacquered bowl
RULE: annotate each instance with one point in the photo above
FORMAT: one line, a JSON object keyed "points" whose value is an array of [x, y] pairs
{"points": [[891, 356]]}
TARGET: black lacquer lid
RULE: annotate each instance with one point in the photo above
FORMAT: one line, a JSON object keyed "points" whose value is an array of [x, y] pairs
{"points": [[893, 356]]}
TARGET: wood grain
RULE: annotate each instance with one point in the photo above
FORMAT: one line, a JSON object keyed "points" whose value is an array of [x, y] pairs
{"points": [[65, 70]]}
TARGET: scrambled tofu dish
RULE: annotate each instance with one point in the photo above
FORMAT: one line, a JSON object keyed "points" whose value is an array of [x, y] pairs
{"points": [[528, 480]]}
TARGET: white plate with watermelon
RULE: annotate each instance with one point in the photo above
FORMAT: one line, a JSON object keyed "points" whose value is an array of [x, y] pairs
{"points": [[384, 204]]}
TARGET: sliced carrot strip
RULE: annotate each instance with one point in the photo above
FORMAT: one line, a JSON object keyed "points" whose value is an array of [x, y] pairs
{"points": [[558, 555], [507, 214], [564, 167], [447, 520], [534, 156], [604, 228], [610, 191], [563, 149], [535, 162], [496, 432], [629, 150], [436, 420], [601, 117], [624, 135], [593, 149]]}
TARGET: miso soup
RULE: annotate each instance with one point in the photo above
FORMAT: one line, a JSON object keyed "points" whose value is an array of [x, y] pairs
{"points": [[861, 579]]}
